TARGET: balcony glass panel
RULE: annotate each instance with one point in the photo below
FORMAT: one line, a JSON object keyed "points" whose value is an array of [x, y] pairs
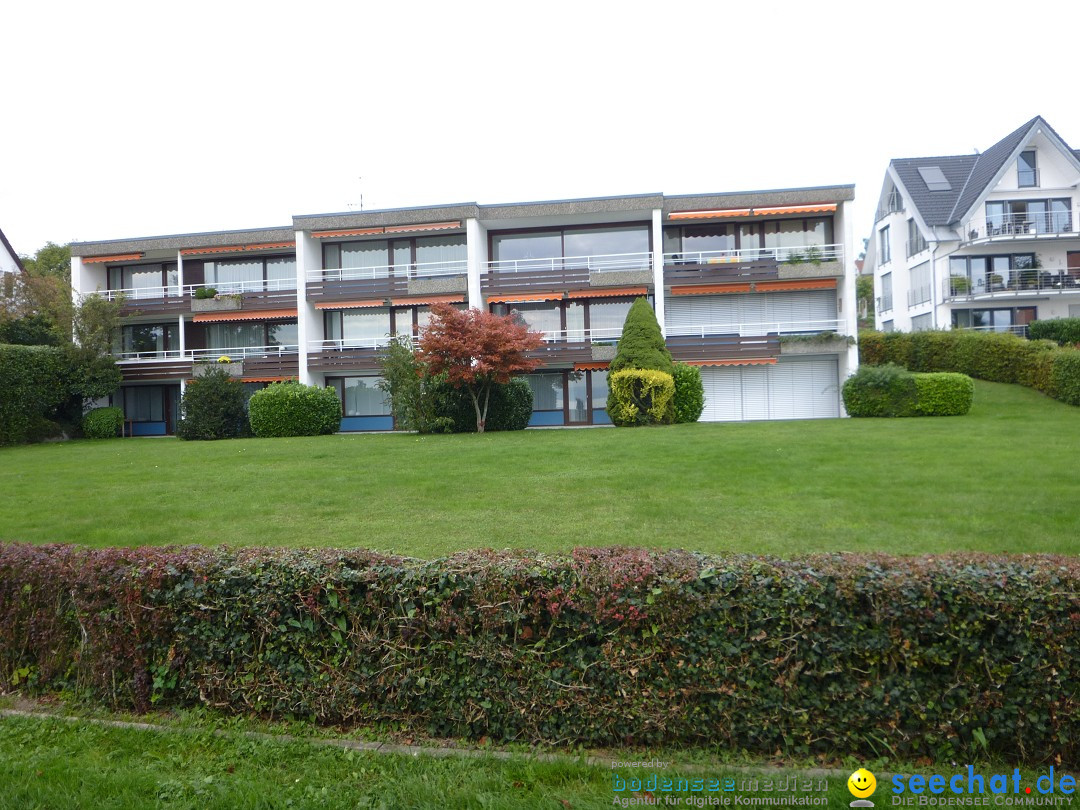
{"points": [[282, 271], [221, 336], [365, 326], [605, 242], [547, 391], [608, 314], [362, 397], [431, 249], [521, 247], [282, 334], [362, 257]]}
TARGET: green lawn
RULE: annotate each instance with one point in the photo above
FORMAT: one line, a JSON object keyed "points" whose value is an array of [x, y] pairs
{"points": [[47, 763], [1003, 478]]}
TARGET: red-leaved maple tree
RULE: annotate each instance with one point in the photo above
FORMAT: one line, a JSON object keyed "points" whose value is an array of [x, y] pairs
{"points": [[476, 349]]}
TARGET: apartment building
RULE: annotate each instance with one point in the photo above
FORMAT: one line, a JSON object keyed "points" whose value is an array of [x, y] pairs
{"points": [[983, 241], [748, 286]]}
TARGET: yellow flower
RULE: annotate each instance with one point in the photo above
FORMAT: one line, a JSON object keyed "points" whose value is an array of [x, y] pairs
{"points": [[224, 359]]}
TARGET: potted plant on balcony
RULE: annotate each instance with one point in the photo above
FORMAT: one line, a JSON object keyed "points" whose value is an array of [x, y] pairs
{"points": [[234, 368], [208, 299], [959, 285]]}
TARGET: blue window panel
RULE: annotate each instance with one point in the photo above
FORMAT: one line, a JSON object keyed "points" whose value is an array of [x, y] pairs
{"points": [[542, 418], [349, 423], [600, 417], [148, 429]]}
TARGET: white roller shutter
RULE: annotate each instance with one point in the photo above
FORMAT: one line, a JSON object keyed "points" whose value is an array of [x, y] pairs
{"points": [[753, 308], [723, 394], [755, 388], [803, 388]]}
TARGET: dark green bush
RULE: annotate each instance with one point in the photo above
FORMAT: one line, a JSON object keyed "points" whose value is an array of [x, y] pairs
{"points": [[103, 423], [1066, 376], [214, 406], [34, 380], [943, 394], [640, 397], [689, 399], [1063, 331], [510, 407], [642, 343], [603, 647], [887, 390], [294, 409], [202, 293]]}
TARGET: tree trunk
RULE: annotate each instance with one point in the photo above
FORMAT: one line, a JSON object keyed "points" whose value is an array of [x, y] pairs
{"points": [[476, 407], [487, 400]]}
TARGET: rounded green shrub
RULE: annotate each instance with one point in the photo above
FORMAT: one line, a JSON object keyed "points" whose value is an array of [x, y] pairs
{"points": [[689, 399], [509, 408], [887, 390], [640, 397], [294, 409], [642, 343], [213, 407], [943, 394], [103, 423]]}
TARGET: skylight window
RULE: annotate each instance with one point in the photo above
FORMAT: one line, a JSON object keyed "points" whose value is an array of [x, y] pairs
{"points": [[934, 178]]}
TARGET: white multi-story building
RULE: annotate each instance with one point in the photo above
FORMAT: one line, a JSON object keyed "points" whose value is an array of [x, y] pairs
{"points": [[983, 241], [9, 259], [746, 285]]}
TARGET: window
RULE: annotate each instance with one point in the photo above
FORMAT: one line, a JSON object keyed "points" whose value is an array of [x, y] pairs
{"points": [[887, 326], [920, 285], [239, 275], [146, 280], [360, 396], [547, 390], [885, 301], [240, 335], [1020, 217], [596, 319], [915, 241], [688, 242], [599, 389], [1027, 174], [144, 404], [538, 248], [1000, 319], [920, 323], [976, 275], [884, 246], [147, 339], [381, 258]]}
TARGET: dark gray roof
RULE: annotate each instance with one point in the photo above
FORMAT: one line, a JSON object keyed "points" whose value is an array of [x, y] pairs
{"points": [[11, 250], [935, 206], [969, 175]]}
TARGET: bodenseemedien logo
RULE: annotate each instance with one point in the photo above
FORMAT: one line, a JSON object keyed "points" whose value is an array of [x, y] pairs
{"points": [[861, 785]]}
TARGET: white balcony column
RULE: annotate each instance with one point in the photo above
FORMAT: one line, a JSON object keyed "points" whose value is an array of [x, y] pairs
{"points": [[180, 270], [309, 324], [658, 266], [477, 258], [183, 336], [849, 315]]}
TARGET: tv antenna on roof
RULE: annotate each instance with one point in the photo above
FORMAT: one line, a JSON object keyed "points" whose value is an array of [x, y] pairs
{"points": [[353, 205]]}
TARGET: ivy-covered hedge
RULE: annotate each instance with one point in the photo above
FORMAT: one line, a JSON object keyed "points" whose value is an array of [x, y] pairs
{"points": [[33, 381], [614, 646], [294, 409], [993, 356], [1063, 331]]}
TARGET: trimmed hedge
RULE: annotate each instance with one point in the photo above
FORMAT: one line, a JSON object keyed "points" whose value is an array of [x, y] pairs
{"points": [[689, 399], [943, 393], [993, 356], [1063, 331], [887, 390], [294, 409], [882, 655], [103, 423], [640, 397], [33, 382], [509, 408]]}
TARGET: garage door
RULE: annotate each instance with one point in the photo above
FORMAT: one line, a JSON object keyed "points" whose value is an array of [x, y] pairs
{"points": [[805, 388]]}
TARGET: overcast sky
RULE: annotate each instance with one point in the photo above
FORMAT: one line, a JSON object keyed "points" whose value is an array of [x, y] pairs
{"points": [[137, 119]]}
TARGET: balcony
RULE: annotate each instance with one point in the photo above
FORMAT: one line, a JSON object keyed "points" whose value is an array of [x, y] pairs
{"points": [[735, 341], [150, 300], [1020, 329], [1022, 227], [272, 361], [567, 272], [363, 283], [350, 353], [567, 346], [1011, 283], [256, 294], [752, 265]]}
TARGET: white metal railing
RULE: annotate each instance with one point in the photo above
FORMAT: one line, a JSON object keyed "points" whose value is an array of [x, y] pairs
{"points": [[1012, 282], [253, 285], [1016, 329], [163, 354], [240, 352], [919, 295], [604, 334], [137, 293], [806, 254], [755, 329], [602, 263], [455, 267], [1027, 178], [1021, 226], [345, 344]]}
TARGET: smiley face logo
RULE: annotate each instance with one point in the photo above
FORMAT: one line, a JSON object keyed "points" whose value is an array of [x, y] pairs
{"points": [[862, 784]]}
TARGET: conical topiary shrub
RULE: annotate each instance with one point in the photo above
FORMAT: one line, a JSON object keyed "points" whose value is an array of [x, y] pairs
{"points": [[642, 343]]}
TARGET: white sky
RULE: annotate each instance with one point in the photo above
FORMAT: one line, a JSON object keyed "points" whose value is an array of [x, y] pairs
{"points": [[137, 119]]}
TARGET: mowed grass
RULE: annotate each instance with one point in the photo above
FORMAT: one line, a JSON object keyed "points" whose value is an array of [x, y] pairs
{"points": [[1002, 479], [46, 763]]}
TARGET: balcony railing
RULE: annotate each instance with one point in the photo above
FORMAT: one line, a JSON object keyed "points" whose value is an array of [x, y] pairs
{"points": [[349, 344], [756, 329], [1022, 226], [919, 295], [1013, 282], [1020, 329], [456, 267], [253, 285], [806, 254], [589, 264], [240, 352], [163, 354], [604, 335], [140, 293]]}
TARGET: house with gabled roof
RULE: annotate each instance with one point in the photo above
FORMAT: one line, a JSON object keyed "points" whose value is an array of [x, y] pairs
{"points": [[9, 259], [985, 241]]}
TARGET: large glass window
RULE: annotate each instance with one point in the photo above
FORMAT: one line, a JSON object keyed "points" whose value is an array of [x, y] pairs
{"points": [[1000, 319], [365, 327], [884, 246], [547, 391], [145, 280], [1027, 175], [983, 274], [430, 249], [605, 241], [886, 292], [1013, 217], [235, 273], [379, 258], [234, 335], [537, 248], [708, 238], [281, 272], [150, 338], [578, 396], [144, 403], [523, 247], [365, 259], [797, 233], [609, 315], [545, 316], [599, 388], [282, 334], [360, 396]]}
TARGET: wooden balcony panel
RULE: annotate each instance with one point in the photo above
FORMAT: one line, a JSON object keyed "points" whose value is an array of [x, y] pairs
{"points": [[563, 353], [496, 282], [344, 359], [269, 299], [357, 289], [722, 347], [154, 306], [677, 274], [165, 370], [272, 365]]}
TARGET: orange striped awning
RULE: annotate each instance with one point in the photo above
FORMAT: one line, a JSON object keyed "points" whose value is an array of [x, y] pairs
{"points": [[244, 315], [763, 211], [429, 226], [740, 361], [609, 293], [205, 251], [428, 299], [123, 257], [266, 379], [590, 366], [798, 284], [711, 289], [350, 304], [523, 298]]}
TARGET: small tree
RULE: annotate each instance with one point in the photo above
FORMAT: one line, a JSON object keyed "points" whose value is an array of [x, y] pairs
{"points": [[412, 390], [213, 407], [475, 350], [642, 343]]}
